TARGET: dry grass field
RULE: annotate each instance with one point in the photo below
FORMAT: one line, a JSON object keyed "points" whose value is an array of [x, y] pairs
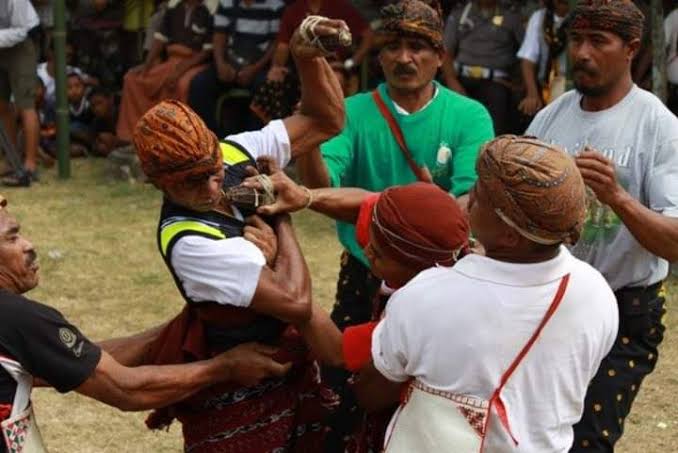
{"points": [[100, 267]]}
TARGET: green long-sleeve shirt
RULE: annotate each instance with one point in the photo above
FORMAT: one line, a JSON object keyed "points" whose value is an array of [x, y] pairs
{"points": [[445, 136]]}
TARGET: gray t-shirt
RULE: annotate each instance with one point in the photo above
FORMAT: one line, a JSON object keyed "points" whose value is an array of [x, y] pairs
{"points": [[641, 136]]}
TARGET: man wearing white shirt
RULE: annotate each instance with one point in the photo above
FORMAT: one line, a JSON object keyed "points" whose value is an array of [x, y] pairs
{"points": [[499, 349], [240, 277], [18, 62], [626, 146]]}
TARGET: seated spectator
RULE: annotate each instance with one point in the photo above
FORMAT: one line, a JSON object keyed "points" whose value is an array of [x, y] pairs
{"points": [[105, 118], [96, 26], [282, 88], [482, 39], [136, 19], [79, 112], [47, 118], [543, 60], [498, 351], [244, 31], [79, 115], [46, 72], [186, 36]]}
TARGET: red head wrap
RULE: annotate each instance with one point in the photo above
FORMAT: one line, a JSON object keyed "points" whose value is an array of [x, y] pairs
{"points": [[420, 225]]}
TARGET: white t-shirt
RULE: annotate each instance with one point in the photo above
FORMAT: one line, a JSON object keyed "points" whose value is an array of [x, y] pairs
{"points": [[671, 33], [641, 136], [458, 329], [227, 271], [534, 47]]}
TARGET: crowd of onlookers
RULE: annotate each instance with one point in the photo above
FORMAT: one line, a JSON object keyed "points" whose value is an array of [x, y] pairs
{"points": [[230, 61]]}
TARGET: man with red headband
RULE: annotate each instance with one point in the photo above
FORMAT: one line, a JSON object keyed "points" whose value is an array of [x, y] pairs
{"points": [[499, 349], [399, 242], [241, 278], [626, 144], [411, 128]]}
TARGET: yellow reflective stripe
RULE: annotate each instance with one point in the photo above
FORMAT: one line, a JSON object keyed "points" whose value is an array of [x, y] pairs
{"points": [[175, 228], [231, 154]]}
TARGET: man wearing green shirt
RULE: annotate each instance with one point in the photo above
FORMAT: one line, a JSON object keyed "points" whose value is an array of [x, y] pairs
{"points": [[442, 129]]}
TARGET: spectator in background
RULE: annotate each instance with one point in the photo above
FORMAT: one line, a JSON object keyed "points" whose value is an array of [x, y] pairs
{"points": [[543, 60], [671, 34], [105, 113], [135, 20], [482, 39], [244, 33], [79, 114], [18, 61], [278, 96], [336, 9], [47, 118], [186, 36], [369, 9], [46, 71]]}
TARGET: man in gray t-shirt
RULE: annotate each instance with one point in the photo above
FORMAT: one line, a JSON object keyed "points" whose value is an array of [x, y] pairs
{"points": [[626, 145]]}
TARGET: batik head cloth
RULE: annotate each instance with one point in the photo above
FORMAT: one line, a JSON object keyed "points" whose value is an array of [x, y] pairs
{"points": [[621, 17], [534, 187], [416, 18], [420, 225], [173, 144]]}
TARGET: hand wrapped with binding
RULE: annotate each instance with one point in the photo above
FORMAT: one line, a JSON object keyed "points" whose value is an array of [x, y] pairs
{"points": [[252, 197], [319, 36], [288, 196]]}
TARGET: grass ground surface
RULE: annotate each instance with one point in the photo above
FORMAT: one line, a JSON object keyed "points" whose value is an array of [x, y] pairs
{"points": [[100, 267]]}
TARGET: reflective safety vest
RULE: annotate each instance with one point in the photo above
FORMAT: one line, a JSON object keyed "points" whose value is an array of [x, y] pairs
{"points": [[177, 221]]}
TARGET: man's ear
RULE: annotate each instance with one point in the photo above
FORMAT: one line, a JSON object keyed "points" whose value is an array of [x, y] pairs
{"points": [[442, 53], [633, 47]]}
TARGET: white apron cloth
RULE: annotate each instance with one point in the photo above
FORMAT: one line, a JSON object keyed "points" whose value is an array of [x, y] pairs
{"points": [[460, 421], [19, 431]]}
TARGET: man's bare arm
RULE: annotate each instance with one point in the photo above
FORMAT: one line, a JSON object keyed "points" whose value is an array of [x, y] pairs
{"points": [[337, 203], [130, 351], [149, 387], [374, 392], [321, 113], [654, 231], [312, 169], [284, 291], [323, 337]]}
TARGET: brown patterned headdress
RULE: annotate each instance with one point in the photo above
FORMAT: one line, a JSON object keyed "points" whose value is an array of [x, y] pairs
{"points": [[621, 17], [418, 18], [534, 187], [174, 144]]}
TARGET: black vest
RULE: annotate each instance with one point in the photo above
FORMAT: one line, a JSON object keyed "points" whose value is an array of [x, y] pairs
{"points": [[177, 221]]}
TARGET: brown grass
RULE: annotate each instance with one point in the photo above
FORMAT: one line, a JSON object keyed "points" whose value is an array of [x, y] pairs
{"points": [[100, 267]]}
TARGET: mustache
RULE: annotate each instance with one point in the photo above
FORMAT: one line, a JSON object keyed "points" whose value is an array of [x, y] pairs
{"points": [[582, 67], [404, 70]]}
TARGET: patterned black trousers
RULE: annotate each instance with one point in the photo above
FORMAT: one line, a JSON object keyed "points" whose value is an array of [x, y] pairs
{"points": [[356, 289], [616, 384]]}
